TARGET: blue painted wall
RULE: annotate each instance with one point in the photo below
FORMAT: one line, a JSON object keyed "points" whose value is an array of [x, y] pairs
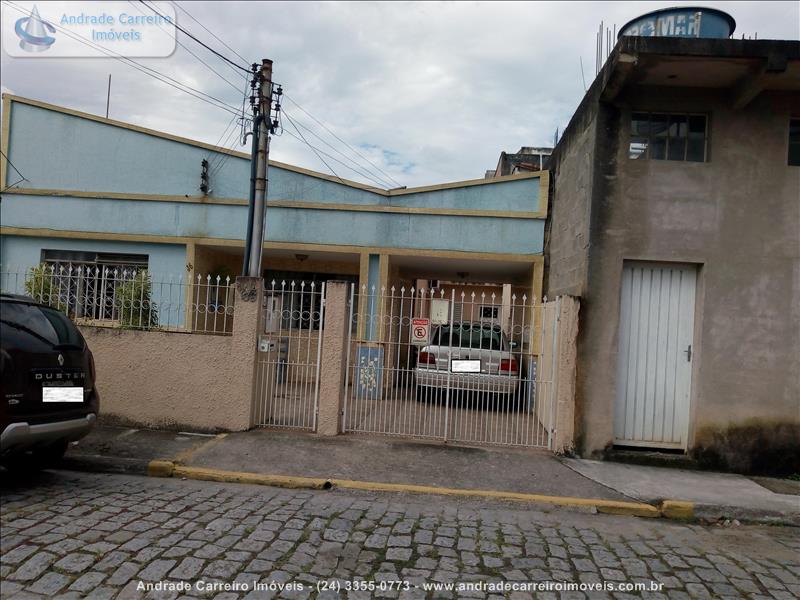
{"points": [[167, 262], [164, 259], [90, 156], [474, 234], [93, 156]]}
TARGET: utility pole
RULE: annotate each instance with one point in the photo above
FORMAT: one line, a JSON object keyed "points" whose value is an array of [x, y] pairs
{"points": [[262, 127]]}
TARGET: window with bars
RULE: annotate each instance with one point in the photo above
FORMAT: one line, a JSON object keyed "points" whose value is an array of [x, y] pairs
{"points": [[86, 281], [794, 143], [669, 136]]}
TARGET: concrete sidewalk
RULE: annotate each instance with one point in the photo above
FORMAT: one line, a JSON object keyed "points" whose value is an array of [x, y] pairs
{"points": [[715, 495], [383, 459], [435, 465]]}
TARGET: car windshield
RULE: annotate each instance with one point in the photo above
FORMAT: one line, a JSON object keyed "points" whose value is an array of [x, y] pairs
{"points": [[469, 335], [45, 323]]}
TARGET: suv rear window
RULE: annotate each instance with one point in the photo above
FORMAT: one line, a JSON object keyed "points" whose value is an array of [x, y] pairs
{"points": [[45, 323], [466, 335]]}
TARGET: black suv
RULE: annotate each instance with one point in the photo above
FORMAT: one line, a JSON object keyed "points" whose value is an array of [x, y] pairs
{"points": [[48, 394]]}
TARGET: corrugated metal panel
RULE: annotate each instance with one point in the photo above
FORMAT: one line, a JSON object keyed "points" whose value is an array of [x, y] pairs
{"points": [[654, 365]]}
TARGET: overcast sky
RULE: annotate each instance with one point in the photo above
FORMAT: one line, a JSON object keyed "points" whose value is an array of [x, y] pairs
{"points": [[431, 92]]}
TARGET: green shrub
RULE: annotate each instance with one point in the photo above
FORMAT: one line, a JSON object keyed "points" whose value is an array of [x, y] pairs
{"points": [[134, 305], [42, 285]]}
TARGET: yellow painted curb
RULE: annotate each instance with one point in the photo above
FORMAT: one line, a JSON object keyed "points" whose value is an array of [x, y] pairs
{"points": [[615, 507], [605, 506], [676, 509], [160, 468], [283, 481]]}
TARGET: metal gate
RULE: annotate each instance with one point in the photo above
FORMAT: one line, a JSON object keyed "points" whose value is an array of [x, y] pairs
{"points": [[470, 367], [288, 364]]}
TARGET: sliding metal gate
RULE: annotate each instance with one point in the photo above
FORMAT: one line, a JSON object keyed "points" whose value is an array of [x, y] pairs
{"points": [[454, 366], [288, 365]]}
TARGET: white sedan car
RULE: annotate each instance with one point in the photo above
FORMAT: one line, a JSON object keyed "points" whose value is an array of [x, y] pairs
{"points": [[474, 357]]}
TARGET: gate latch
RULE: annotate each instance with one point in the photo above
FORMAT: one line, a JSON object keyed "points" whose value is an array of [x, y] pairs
{"points": [[688, 352]]}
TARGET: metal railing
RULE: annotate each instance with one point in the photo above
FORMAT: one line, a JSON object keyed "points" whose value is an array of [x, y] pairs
{"points": [[129, 298], [469, 367]]}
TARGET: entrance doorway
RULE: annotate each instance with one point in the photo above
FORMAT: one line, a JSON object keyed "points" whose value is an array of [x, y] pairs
{"points": [[654, 370]]}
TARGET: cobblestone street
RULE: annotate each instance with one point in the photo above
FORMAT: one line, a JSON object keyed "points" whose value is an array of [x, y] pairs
{"points": [[70, 535]]}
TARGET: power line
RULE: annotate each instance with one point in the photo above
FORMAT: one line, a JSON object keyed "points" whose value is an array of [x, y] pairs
{"points": [[223, 156], [321, 124], [206, 46], [333, 158], [11, 185], [288, 118], [22, 177], [208, 66], [8, 160], [368, 174], [219, 144], [244, 120], [209, 31], [180, 86]]}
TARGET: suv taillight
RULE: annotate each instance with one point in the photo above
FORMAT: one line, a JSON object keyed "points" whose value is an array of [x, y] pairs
{"points": [[508, 365], [426, 358]]}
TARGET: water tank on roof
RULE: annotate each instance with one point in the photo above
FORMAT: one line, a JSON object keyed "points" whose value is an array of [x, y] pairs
{"points": [[684, 21]]}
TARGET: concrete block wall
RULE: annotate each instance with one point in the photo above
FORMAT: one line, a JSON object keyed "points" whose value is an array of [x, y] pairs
{"points": [[567, 240]]}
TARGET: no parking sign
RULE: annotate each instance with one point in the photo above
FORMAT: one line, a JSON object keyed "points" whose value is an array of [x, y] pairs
{"points": [[421, 331]]}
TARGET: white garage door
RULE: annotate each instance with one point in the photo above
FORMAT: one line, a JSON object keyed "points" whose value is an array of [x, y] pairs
{"points": [[655, 355]]}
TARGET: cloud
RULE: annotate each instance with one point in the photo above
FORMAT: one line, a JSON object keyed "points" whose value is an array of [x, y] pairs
{"points": [[428, 91]]}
